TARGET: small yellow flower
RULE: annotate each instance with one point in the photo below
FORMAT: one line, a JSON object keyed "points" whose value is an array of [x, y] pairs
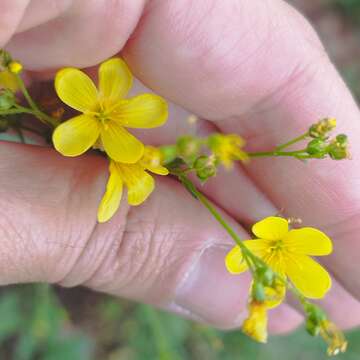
{"points": [[287, 253], [106, 112], [255, 325], [8, 81], [139, 183], [228, 148]]}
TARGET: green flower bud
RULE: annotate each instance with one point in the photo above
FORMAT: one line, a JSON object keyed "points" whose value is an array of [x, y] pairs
{"points": [[188, 148], [312, 328], [338, 148], [7, 99], [316, 147], [342, 139], [258, 291], [168, 153], [268, 277], [5, 58], [205, 167]]}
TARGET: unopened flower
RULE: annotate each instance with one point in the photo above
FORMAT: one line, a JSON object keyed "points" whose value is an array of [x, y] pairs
{"points": [[205, 167], [287, 253], [339, 148], [15, 67], [322, 128], [188, 148], [255, 325], [106, 113], [135, 177], [8, 81], [228, 148], [7, 99]]}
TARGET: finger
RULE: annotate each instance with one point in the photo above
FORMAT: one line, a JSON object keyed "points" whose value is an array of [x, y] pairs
{"points": [[11, 13], [39, 12], [168, 252], [86, 33]]}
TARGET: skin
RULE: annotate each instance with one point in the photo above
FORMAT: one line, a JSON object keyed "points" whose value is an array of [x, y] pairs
{"points": [[254, 67]]}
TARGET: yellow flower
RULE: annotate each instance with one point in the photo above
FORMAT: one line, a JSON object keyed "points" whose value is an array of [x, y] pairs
{"points": [[139, 183], [228, 148], [255, 325], [287, 253], [8, 81], [105, 112]]}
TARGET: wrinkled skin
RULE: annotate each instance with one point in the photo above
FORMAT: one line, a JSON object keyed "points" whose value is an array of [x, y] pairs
{"points": [[254, 67]]}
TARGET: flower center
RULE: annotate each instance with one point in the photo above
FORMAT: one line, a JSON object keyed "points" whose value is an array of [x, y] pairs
{"points": [[276, 246]]}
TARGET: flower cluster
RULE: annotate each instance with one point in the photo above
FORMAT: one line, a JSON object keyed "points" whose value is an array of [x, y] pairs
{"points": [[204, 155], [105, 115], [321, 145]]}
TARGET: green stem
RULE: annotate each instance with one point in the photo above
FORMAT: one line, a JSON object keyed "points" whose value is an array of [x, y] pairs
{"points": [[17, 110], [35, 110], [297, 153], [204, 200], [293, 141]]}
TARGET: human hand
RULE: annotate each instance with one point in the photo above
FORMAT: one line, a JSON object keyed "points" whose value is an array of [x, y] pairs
{"points": [[251, 67]]}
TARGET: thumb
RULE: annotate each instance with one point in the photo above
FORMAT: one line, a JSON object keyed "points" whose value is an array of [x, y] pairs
{"points": [[167, 252]]}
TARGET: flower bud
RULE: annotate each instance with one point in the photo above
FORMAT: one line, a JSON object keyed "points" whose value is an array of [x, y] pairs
{"points": [[258, 291], [312, 328], [5, 58], [15, 67], [266, 276], [7, 99], [188, 148], [317, 146], [205, 167], [322, 128], [168, 153], [338, 148]]}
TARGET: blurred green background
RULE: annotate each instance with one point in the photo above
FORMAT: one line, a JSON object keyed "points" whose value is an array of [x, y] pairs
{"points": [[49, 323]]}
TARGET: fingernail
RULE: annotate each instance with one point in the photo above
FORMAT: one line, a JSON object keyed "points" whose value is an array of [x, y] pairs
{"points": [[211, 293]]}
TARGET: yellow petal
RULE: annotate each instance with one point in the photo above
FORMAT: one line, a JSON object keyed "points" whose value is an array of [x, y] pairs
{"points": [[120, 145], [159, 170], [115, 80], [308, 241], [75, 136], [234, 260], [111, 200], [76, 89], [271, 228], [309, 277], [139, 183], [8, 81], [144, 111]]}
